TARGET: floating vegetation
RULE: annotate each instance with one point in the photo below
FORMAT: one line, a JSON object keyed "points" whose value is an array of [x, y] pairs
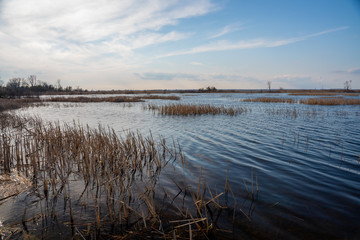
{"points": [[192, 109], [292, 112], [100, 185], [270, 100], [330, 101]]}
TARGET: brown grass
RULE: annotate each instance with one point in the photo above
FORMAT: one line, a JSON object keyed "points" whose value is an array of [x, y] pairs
{"points": [[83, 99], [270, 100], [93, 99], [191, 109], [330, 101], [10, 104], [119, 176], [324, 94], [160, 97]]}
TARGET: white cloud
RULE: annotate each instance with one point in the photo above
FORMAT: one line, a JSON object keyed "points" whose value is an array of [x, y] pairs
{"points": [[82, 35], [227, 29], [253, 43], [197, 64]]}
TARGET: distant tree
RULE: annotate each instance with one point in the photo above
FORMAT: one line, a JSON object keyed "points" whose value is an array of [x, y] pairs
{"points": [[58, 85], [347, 85], [14, 83], [208, 89], [269, 85], [32, 80]]}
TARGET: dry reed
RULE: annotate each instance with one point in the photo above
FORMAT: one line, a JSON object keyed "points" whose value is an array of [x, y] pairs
{"points": [[10, 104], [192, 109], [270, 100], [324, 94], [330, 101], [160, 97], [119, 176], [93, 99]]}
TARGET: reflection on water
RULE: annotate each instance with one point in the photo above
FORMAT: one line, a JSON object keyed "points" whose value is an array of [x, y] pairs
{"points": [[307, 167]]}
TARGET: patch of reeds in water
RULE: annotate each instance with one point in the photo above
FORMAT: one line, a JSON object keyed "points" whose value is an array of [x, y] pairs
{"points": [[193, 109], [330, 101], [270, 100], [10, 104], [93, 99], [83, 99], [119, 177], [164, 97], [323, 94]]}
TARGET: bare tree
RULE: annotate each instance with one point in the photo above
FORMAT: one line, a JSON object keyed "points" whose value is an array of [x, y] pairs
{"points": [[14, 83], [32, 80], [347, 85], [58, 85], [269, 85]]}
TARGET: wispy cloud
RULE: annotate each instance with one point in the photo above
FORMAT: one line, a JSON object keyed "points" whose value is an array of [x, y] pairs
{"points": [[88, 34], [197, 64], [253, 43], [355, 71], [227, 29], [166, 76]]}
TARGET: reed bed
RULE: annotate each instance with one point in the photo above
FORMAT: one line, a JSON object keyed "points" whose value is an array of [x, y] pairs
{"points": [[83, 99], [330, 101], [160, 97], [324, 94], [192, 109], [93, 99], [11, 104], [118, 177], [270, 100]]}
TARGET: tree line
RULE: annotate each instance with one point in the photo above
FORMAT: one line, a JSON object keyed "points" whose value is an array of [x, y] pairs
{"points": [[31, 87]]}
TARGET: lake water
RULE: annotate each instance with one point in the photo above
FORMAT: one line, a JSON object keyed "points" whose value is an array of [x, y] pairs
{"points": [[306, 167]]}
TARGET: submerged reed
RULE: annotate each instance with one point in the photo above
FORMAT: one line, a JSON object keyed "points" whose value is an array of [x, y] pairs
{"points": [[119, 177]]}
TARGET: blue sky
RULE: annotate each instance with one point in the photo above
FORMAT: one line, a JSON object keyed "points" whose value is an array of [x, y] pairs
{"points": [[182, 44]]}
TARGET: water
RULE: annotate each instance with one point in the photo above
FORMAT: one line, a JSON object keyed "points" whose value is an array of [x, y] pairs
{"points": [[306, 167]]}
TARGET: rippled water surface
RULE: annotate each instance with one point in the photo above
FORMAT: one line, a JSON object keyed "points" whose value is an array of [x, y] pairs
{"points": [[305, 166]]}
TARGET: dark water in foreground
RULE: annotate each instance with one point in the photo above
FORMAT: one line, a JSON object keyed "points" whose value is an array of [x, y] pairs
{"points": [[306, 167]]}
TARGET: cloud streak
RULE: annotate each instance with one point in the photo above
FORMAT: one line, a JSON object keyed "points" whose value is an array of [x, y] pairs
{"points": [[253, 43], [226, 30], [354, 71]]}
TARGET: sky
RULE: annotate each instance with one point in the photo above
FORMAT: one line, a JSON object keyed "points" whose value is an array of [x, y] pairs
{"points": [[182, 44]]}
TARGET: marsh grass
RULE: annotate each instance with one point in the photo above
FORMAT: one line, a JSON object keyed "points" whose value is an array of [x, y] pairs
{"points": [[324, 94], [118, 179], [310, 101], [11, 104], [330, 101], [160, 97], [83, 99], [270, 100], [193, 109]]}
